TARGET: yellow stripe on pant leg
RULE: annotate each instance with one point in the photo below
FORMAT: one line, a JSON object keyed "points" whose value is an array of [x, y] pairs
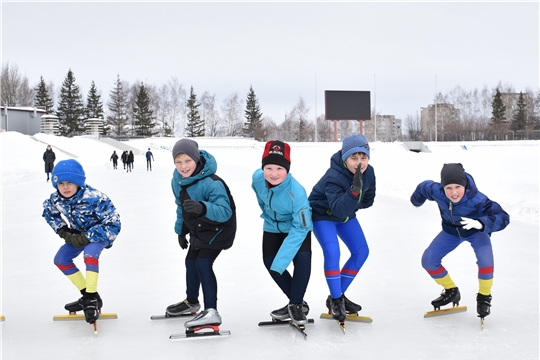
{"points": [[78, 280], [485, 286], [91, 281], [446, 282]]}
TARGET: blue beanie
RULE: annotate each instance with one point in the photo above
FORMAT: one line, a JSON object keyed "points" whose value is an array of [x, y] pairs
{"points": [[354, 144], [68, 170]]}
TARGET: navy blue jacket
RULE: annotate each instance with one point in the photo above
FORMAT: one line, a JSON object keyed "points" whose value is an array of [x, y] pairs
{"points": [[473, 205], [332, 199]]}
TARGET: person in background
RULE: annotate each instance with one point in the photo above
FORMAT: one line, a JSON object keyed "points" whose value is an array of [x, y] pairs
{"points": [[87, 221], [286, 229], [347, 186], [130, 161], [125, 158], [114, 158], [467, 215], [205, 211], [149, 158], [49, 158]]}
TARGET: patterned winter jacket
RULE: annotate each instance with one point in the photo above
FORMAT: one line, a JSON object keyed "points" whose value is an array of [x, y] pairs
{"points": [[220, 216], [89, 211], [473, 205], [285, 209], [332, 199]]}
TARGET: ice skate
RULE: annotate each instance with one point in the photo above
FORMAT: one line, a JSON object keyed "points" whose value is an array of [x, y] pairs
{"points": [[283, 313], [90, 307], [296, 314], [447, 296], [182, 308], [350, 307], [483, 305], [336, 307], [204, 318], [76, 305]]}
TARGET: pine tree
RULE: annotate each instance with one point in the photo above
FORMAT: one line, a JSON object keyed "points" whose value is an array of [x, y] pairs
{"points": [[143, 116], [194, 126], [520, 119], [118, 119], [42, 97], [70, 110], [253, 115], [94, 105], [498, 110]]}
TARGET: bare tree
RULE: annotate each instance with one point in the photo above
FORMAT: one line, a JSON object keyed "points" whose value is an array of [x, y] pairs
{"points": [[15, 89], [325, 129], [178, 98], [413, 127], [232, 115], [209, 114]]}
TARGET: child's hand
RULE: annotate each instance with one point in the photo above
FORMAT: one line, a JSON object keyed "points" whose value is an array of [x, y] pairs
{"points": [[194, 207], [357, 184], [182, 241], [79, 240], [468, 224]]}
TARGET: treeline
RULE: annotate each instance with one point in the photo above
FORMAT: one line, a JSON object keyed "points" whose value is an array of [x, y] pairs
{"points": [[171, 109]]}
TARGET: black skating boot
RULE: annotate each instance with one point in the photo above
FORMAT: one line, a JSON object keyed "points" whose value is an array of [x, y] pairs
{"points": [[283, 313], [77, 304], [447, 296], [483, 305], [350, 307], [182, 308], [296, 313], [90, 307], [337, 308]]}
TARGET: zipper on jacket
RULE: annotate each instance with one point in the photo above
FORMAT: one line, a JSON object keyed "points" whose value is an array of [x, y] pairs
{"points": [[451, 208]]}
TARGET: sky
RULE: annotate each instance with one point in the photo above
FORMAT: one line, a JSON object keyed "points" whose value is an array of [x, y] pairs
{"points": [[402, 52], [144, 271]]}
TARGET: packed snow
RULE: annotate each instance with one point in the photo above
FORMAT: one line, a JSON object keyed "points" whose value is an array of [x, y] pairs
{"points": [[144, 271]]}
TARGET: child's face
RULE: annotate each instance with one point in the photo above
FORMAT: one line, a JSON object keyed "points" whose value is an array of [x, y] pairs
{"points": [[355, 159], [185, 165], [454, 192], [274, 174], [66, 188]]}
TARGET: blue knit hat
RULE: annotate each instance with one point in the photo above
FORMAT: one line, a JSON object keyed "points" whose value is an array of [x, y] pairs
{"points": [[68, 170], [354, 144]]}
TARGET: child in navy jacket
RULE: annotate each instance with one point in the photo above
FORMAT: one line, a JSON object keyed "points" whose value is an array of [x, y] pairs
{"points": [[467, 215]]}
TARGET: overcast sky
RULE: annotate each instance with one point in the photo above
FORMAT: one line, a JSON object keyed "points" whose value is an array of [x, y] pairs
{"points": [[400, 51]]}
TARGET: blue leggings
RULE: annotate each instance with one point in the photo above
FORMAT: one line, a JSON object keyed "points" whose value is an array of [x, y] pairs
{"points": [[67, 252], [444, 243], [351, 234]]}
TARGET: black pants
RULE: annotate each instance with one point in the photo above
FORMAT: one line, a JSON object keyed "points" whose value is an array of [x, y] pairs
{"points": [[294, 287], [200, 273]]}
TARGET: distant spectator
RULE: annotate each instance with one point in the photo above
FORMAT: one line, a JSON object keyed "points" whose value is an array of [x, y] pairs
{"points": [[130, 161], [149, 158], [114, 158], [125, 158], [49, 157]]}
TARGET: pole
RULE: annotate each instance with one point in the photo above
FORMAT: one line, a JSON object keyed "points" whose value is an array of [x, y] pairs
{"points": [[375, 104], [315, 138], [435, 107]]}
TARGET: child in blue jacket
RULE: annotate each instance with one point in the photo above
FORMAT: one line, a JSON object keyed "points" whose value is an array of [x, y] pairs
{"points": [[467, 215], [88, 222], [205, 211], [347, 186], [286, 230]]}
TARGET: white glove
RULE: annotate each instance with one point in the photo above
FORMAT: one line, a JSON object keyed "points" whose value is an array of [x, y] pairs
{"points": [[468, 224]]}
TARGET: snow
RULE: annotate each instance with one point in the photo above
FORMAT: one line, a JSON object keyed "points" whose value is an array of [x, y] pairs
{"points": [[144, 271]]}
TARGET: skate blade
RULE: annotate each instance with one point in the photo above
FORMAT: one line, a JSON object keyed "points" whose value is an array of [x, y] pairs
{"points": [[350, 317], [81, 317], [166, 316], [452, 310], [2, 318], [281, 322]]}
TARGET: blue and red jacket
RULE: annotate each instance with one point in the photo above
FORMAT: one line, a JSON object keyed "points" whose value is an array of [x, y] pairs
{"points": [[473, 205]]}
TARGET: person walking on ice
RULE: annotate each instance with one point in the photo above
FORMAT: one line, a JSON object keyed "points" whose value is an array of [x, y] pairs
{"points": [[87, 221], [347, 186], [149, 159], [467, 215]]}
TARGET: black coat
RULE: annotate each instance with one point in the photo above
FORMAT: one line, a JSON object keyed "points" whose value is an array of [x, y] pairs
{"points": [[49, 157]]}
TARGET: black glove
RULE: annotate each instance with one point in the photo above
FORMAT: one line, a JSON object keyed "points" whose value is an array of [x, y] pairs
{"points": [[182, 241], [79, 240], [357, 184], [66, 233], [194, 207], [274, 274]]}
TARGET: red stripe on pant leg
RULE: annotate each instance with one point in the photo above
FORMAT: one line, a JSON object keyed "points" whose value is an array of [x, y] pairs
{"points": [[436, 272], [65, 267], [349, 271], [332, 272], [485, 270], [91, 261]]}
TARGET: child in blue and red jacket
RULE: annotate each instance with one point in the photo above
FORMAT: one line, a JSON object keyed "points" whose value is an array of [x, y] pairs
{"points": [[467, 215], [347, 186]]}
